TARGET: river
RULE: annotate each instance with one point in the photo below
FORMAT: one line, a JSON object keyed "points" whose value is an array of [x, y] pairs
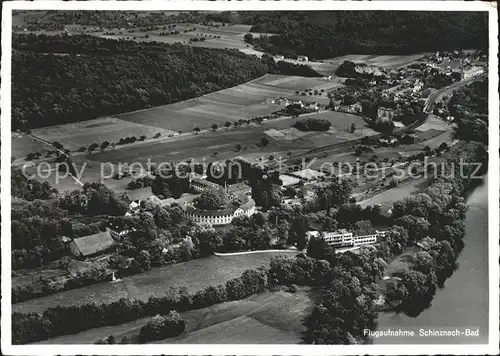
{"points": [[463, 302]]}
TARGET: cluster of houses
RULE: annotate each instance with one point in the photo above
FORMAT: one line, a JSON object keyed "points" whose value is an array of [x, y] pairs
{"points": [[464, 67], [285, 102], [362, 234], [355, 108]]}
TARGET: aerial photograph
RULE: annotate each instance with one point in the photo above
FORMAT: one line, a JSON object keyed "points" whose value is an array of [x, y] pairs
{"points": [[249, 177]]}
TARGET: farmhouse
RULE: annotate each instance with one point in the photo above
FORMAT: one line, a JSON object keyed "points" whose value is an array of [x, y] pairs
{"points": [[355, 108], [119, 233], [385, 113], [92, 245]]}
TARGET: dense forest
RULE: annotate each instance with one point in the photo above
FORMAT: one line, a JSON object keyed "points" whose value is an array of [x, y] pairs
{"points": [[328, 34], [469, 107], [61, 79]]}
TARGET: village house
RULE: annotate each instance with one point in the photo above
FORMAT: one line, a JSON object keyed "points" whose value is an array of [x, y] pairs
{"points": [[386, 113], [92, 245], [355, 108], [312, 106], [418, 86], [136, 196]]}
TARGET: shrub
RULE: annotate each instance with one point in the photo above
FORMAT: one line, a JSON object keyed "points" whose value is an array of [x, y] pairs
{"points": [[235, 289], [153, 330], [313, 124], [160, 327]]}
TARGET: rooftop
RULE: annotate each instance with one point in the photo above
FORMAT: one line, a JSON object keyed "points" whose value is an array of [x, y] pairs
{"points": [[220, 212], [237, 186], [289, 180], [307, 174], [140, 193], [204, 182], [89, 245]]}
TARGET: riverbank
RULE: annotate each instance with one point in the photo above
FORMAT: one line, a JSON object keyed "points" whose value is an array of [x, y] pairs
{"points": [[463, 302]]}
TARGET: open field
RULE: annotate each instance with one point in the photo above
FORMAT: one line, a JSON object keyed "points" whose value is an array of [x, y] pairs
{"points": [[434, 122], [206, 144], [213, 146], [390, 196], [231, 36], [84, 133], [23, 144], [194, 275], [266, 318], [245, 101], [382, 61]]}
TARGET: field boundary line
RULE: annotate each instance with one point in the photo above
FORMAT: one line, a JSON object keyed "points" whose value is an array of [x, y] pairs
{"points": [[220, 254]]}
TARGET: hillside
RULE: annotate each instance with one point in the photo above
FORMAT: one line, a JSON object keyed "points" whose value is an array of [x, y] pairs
{"points": [[328, 34], [62, 79]]}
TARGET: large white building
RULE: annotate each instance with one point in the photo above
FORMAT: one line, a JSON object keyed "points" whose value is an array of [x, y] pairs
{"points": [[364, 234], [221, 216]]}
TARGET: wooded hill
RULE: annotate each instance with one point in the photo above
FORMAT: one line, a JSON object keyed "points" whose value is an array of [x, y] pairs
{"points": [[328, 34], [61, 79]]}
